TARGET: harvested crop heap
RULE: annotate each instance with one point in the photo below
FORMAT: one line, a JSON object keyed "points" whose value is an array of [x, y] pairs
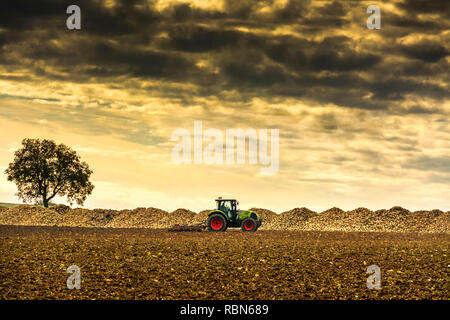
{"points": [[396, 219]]}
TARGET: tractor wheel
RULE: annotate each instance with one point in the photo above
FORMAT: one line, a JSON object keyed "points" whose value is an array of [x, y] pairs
{"points": [[216, 222], [249, 225]]}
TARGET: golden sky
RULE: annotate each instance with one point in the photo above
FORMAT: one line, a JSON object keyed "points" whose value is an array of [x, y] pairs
{"points": [[363, 114]]}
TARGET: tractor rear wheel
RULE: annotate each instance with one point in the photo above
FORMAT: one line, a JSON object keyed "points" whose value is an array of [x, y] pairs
{"points": [[216, 222], [249, 225]]}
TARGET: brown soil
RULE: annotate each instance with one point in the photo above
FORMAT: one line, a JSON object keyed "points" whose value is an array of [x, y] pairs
{"points": [[155, 264]]}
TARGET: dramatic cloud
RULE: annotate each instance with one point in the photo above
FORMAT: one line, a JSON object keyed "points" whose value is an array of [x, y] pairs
{"points": [[355, 107]]}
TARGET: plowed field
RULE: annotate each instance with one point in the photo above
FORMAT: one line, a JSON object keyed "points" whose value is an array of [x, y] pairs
{"points": [[155, 264]]}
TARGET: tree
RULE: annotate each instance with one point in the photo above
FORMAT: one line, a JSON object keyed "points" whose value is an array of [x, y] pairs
{"points": [[42, 169]]}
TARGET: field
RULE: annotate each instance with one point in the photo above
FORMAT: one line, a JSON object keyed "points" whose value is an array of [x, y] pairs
{"points": [[15, 205], [8, 205], [155, 264]]}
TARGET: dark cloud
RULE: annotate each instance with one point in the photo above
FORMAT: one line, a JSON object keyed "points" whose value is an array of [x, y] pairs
{"points": [[252, 75], [422, 110], [135, 17], [135, 39], [326, 59], [426, 51], [200, 39], [327, 122], [332, 53], [425, 6], [409, 23], [22, 15], [142, 63], [430, 163], [293, 11], [328, 16], [334, 9]]}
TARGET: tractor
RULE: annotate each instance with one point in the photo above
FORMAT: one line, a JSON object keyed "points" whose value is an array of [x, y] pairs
{"points": [[226, 215]]}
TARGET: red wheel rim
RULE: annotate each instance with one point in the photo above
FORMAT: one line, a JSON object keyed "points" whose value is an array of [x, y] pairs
{"points": [[248, 225], [216, 224]]}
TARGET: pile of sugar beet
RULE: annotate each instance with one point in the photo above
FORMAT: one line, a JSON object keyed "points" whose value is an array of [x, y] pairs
{"points": [[396, 219]]}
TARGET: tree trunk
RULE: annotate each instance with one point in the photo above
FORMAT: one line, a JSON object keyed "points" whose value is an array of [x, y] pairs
{"points": [[44, 197]]}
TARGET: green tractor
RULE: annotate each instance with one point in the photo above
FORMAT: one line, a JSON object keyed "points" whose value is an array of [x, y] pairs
{"points": [[227, 215]]}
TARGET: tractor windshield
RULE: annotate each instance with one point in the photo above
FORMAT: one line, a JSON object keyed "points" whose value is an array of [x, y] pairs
{"points": [[226, 206]]}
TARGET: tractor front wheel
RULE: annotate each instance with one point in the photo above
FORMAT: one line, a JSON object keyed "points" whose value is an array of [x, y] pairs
{"points": [[249, 225], [216, 222]]}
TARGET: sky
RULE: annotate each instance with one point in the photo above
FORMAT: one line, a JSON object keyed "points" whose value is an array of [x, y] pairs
{"points": [[363, 115]]}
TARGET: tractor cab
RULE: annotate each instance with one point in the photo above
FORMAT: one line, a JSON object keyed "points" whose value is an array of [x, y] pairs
{"points": [[227, 206]]}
